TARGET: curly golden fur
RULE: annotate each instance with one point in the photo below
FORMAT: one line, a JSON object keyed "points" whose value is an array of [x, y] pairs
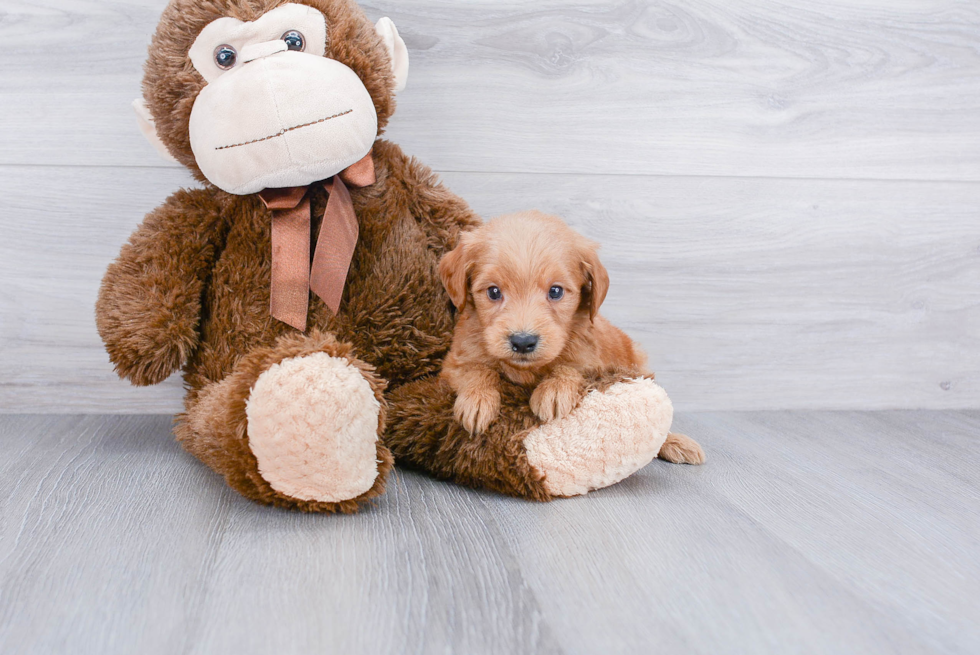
{"points": [[528, 289], [528, 276]]}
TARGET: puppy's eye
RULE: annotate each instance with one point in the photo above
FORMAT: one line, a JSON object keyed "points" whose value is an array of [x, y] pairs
{"points": [[493, 293], [225, 57], [556, 292], [294, 40]]}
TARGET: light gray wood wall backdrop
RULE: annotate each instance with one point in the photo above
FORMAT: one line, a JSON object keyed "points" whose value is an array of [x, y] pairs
{"points": [[788, 194]]}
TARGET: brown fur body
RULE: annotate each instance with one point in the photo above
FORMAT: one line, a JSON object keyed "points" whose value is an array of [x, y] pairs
{"points": [[194, 281]]}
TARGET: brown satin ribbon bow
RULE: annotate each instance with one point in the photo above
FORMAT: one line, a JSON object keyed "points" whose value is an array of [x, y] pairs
{"points": [[292, 275]]}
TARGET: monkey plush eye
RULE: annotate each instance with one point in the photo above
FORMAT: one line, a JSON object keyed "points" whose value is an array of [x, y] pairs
{"points": [[294, 40], [225, 57], [556, 292], [493, 293]]}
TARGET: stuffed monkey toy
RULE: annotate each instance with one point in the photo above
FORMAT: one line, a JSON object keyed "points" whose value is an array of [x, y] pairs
{"points": [[297, 288]]}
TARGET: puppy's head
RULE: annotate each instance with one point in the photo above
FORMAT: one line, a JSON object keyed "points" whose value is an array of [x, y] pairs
{"points": [[530, 281]]}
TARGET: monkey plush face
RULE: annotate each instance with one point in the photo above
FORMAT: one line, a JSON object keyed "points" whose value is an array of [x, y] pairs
{"points": [[270, 99], [275, 111]]}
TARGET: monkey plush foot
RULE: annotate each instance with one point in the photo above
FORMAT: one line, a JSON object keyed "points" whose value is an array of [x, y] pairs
{"points": [[608, 437], [313, 427], [295, 425]]}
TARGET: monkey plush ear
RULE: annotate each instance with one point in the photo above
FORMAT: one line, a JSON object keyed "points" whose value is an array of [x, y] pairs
{"points": [[149, 130], [396, 50]]}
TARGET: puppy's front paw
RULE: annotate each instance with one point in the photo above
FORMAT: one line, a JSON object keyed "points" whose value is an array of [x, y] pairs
{"points": [[476, 410], [555, 398]]}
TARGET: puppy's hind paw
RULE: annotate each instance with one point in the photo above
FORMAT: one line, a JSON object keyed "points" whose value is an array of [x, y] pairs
{"points": [[555, 398], [681, 449], [475, 411]]}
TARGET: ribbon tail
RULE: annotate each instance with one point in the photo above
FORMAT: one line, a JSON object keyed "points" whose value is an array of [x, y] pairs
{"points": [[289, 296], [335, 246], [361, 173]]}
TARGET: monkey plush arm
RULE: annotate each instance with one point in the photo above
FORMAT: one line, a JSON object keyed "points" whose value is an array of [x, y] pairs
{"points": [[149, 305], [423, 433], [617, 428]]}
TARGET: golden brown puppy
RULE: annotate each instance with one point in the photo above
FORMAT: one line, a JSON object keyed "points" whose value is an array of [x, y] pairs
{"points": [[528, 289]]}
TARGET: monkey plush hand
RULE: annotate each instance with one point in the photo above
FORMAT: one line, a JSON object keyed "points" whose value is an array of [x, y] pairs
{"points": [[297, 289]]}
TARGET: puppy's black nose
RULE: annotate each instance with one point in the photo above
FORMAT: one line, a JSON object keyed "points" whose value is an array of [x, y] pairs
{"points": [[523, 342]]}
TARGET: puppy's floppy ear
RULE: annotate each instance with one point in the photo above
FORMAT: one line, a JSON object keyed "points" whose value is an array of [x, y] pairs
{"points": [[453, 270], [597, 278]]}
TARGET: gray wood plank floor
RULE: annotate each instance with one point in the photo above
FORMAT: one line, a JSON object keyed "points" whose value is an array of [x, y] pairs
{"points": [[806, 532]]}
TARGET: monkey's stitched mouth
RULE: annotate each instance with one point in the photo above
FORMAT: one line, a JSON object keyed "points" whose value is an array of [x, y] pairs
{"points": [[288, 129]]}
